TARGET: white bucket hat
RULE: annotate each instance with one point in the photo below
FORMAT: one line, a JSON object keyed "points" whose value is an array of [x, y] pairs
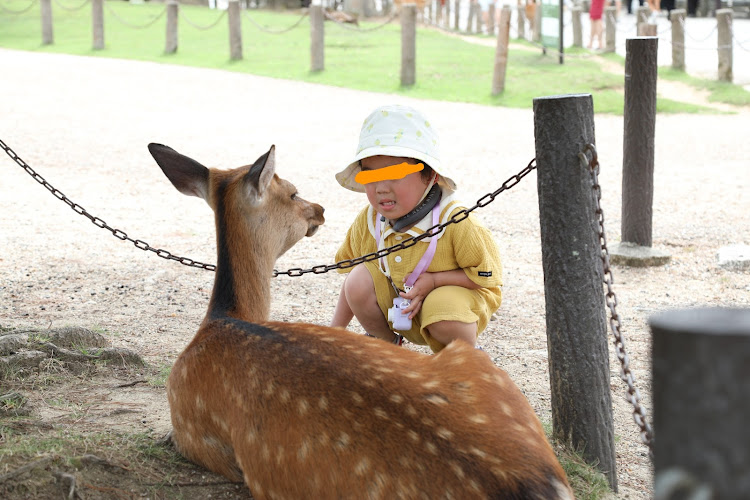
{"points": [[397, 131]]}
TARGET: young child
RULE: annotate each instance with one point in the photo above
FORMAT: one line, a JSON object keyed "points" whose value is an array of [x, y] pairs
{"points": [[455, 277]]}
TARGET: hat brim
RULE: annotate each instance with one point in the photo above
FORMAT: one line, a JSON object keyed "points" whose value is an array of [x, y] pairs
{"points": [[346, 176]]}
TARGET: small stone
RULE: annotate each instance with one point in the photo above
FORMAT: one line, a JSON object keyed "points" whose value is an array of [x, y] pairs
{"points": [[734, 257]]}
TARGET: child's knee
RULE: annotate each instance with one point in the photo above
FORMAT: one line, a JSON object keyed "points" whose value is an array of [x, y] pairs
{"points": [[359, 284]]}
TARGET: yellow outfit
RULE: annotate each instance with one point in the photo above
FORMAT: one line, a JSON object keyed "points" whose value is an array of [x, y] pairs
{"points": [[467, 245]]}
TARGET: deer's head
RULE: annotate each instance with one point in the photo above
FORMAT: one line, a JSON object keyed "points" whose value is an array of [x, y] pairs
{"points": [[253, 197]]}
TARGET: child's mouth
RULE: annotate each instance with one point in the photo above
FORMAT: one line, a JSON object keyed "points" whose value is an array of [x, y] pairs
{"points": [[387, 205]]}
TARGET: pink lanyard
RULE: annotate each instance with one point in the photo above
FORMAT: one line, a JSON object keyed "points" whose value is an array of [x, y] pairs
{"points": [[426, 259]]}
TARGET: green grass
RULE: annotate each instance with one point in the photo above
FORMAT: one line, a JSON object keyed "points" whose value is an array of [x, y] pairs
{"points": [[448, 68], [718, 91]]}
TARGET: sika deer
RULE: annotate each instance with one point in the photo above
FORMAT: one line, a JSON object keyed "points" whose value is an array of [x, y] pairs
{"points": [[306, 411]]}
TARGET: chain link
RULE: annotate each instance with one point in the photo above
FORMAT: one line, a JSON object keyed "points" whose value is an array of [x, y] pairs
{"points": [[633, 396], [409, 242], [294, 272], [117, 233]]}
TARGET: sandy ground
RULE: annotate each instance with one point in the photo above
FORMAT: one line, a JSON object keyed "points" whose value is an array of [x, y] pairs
{"points": [[84, 124]]}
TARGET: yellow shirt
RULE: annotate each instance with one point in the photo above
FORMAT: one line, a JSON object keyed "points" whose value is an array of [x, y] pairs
{"points": [[467, 245]]}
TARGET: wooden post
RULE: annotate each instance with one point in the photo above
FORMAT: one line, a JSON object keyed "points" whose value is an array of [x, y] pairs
{"points": [[447, 14], [536, 35], [491, 19], [576, 12], [521, 21], [235, 30], [317, 43], [638, 141], [641, 15], [610, 24], [471, 25], [501, 51], [724, 23], [678, 39], [408, 44], [97, 24], [702, 401], [46, 10], [646, 29], [172, 12], [457, 8], [574, 296], [478, 17]]}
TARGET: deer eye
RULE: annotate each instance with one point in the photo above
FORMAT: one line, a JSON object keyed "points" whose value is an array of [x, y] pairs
{"points": [[294, 196]]}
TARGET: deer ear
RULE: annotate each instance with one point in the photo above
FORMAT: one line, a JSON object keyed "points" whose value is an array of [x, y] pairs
{"points": [[261, 174], [187, 175]]}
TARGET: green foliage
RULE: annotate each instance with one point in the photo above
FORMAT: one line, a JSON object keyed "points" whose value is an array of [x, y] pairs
{"points": [[448, 68], [718, 91]]}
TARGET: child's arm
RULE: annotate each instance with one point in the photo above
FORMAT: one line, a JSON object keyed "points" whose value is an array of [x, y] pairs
{"points": [[427, 282]]}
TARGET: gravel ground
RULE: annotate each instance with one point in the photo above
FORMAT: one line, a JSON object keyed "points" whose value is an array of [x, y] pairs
{"points": [[84, 124]]}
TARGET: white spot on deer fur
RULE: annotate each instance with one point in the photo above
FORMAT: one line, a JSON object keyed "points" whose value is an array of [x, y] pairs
{"points": [[265, 452], [505, 408], [500, 381], [279, 455], [431, 447], [303, 406], [478, 452], [184, 372], [380, 413], [427, 421], [251, 436], [304, 450], [430, 384], [328, 339], [362, 467], [199, 402], [474, 485], [436, 399], [479, 418], [285, 396], [255, 488], [500, 473], [270, 388], [342, 441], [323, 439], [411, 410], [396, 398], [444, 433], [357, 398], [384, 369], [413, 375], [323, 403], [457, 470]]}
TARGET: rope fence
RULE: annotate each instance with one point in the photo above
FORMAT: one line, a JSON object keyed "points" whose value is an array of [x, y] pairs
{"points": [[453, 16]]}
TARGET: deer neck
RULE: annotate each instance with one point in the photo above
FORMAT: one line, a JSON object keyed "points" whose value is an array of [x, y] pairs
{"points": [[243, 270]]}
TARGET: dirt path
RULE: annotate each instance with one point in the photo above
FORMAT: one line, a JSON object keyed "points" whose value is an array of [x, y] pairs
{"points": [[84, 124]]}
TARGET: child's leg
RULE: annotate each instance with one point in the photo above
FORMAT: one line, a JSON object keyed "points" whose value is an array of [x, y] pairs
{"points": [[446, 332], [343, 314], [359, 294]]}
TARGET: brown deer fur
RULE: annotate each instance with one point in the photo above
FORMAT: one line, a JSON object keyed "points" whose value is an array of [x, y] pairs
{"points": [[305, 411]]}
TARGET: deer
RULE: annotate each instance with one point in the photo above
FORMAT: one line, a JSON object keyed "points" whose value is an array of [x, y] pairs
{"points": [[299, 410]]}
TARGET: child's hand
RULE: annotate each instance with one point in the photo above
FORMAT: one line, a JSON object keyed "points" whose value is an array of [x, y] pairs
{"points": [[423, 286]]}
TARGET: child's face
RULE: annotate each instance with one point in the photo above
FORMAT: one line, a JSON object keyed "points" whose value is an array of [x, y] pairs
{"points": [[393, 198]]}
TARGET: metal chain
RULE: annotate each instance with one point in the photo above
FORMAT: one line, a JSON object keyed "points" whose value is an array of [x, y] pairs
{"points": [[633, 396], [294, 272], [275, 32], [409, 242], [164, 254]]}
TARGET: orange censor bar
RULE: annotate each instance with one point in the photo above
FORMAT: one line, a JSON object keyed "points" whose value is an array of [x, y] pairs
{"points": [[392, 173]]}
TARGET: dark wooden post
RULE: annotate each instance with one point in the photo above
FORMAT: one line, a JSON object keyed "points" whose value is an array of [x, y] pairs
{"points": [[97, 24], [501, 52], [701, 366], [317, 34], [725, 40], [235, 30], [457, 11], [408, 44], [678, 39], [491, 19], [638, 141], [47, 33], [574, 296], [170, 46]]}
